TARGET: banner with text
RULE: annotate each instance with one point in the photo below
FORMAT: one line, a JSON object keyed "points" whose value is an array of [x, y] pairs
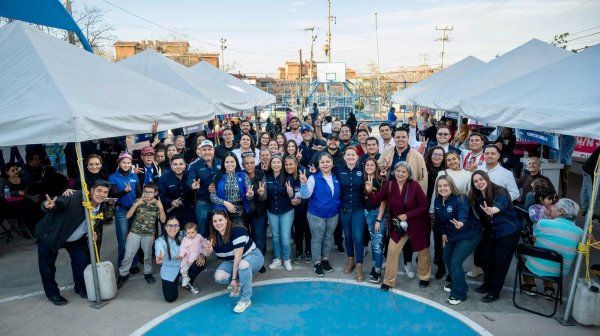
{"points": [[539, 137]]}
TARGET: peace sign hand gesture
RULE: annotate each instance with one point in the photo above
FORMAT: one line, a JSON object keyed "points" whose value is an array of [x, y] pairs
{"points": [[249, 193], [50, 203], [312, 169], [303, 178], [488, 210], [289, 189], [299, 155], [155, 127], [196, 184], [127, 187], [261, 188], [159, 258], [369, 184]]}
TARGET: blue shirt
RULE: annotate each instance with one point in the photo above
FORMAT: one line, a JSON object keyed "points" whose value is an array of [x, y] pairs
{"points": [[352, 183], [560, 235], [171, 188], [278, 200], [455, 207], [200, 170], [120, 181], [170, 267]]}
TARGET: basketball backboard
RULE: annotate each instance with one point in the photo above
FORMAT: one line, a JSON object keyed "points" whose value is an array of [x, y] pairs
{"points": [[331, 72]]}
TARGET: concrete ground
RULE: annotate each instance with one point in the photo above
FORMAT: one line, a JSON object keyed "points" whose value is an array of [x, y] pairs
{"points": [[24, 310]]}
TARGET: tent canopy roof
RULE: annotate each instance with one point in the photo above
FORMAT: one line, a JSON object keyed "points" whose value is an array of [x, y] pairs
{"points": [[211, 75], [439, 80], [53, 91], [563, 98], [522, 60], [163, 69]]}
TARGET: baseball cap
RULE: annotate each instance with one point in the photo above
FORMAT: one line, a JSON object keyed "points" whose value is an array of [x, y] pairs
{"points": [[333, 136], [305, 127], [148, 150], [207, 143], [124, 155]]}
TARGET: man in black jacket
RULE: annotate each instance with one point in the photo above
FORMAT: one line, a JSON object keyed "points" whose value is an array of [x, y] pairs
{"points": [[64, 226]]}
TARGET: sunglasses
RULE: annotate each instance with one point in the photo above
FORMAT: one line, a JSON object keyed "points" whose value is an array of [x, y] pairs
{"points": [[173, 226]]}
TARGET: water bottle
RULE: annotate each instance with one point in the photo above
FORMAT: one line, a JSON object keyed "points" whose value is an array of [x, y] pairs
{"points": [[6, 192]]}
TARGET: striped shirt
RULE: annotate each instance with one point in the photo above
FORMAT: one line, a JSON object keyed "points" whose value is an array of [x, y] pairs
{"points": [[238, 238], [560, 235]]}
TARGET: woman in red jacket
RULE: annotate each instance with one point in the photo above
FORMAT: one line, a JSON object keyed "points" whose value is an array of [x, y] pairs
{"points": [[408, 204]]}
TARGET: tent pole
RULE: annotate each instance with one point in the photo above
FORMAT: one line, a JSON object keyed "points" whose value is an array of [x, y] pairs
{"points": [[565, 320], [98, 304]]}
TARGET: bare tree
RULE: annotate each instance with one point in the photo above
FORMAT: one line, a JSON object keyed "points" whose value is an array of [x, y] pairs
{"points": [[99, 34]]}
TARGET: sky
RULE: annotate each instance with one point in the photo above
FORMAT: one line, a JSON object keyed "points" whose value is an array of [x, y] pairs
{"points": [[263, 34]]}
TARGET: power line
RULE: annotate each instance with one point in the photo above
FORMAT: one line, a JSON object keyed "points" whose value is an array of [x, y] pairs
{"points": [[577, 38], [188, 36], [579, 32]]}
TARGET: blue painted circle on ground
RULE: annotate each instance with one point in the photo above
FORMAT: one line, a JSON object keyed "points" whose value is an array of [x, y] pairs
{"points": [[314, 308]]}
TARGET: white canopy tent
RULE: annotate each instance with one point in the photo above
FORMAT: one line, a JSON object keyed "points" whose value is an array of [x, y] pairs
{"points": [[437, 81], [563, 98], [522, 60], [238, 89], [160, 68], [55, 92]]}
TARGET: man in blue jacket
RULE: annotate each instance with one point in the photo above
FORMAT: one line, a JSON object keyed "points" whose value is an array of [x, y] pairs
{"points": [[177, 197], [200, 176]]}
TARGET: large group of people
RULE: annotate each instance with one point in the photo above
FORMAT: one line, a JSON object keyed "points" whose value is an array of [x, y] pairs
{"points": [[318, 187]]}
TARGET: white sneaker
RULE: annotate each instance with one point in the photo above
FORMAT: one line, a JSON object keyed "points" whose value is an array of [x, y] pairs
{"points": [[447, 288], [241, 306], [407, 270], [475, 272], [287, 265], [276, 263], [453, 301], [192, 289], [185, 281]]}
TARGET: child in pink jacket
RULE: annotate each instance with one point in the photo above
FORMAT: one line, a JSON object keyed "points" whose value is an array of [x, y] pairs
{"points": [[191, 247]]}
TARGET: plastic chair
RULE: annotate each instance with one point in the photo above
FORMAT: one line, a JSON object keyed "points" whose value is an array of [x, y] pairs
{"points": [[524, 251], [526, 225]]}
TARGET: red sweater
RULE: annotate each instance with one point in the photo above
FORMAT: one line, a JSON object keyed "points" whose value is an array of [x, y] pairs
{"points": [[416, 209]]}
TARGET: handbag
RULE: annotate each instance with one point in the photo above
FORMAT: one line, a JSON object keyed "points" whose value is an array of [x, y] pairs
{"points": [[394, 224]]}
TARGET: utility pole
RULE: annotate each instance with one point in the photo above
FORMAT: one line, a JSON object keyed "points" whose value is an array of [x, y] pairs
{"points": [[444, 39], [327, 47], [313, 38], [425, 59], [300, 98], [378, 68], [70, 34], [223, 47]]}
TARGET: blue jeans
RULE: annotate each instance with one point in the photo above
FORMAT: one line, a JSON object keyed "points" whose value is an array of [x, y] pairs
{"points": [[321, 230], [258, 231], [203, 209], [122, 226], [586, 193], [353, 224], [255, 261], [376, 237], [281, 228], [455, 254]]}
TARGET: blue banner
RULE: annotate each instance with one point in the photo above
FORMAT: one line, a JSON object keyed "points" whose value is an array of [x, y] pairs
{"points": [[539, 137], [148, 136]]}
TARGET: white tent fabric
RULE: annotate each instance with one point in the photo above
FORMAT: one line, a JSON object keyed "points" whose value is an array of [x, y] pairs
{"points": [[563, 98], [211, 75], [163, 69], [437, 81], [522, 60], [53, 92]]}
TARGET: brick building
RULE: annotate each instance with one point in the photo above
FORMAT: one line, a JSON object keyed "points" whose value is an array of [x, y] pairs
{"points": [[177, 51], [291, 70]]}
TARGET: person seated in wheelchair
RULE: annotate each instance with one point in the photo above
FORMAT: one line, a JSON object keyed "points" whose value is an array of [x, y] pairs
{"points": [[558, 233]]}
